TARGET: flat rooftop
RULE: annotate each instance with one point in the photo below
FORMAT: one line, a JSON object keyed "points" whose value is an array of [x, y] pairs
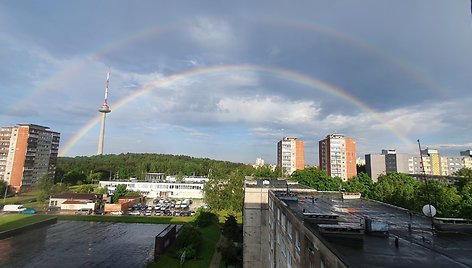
{"points": [[420, 247]]}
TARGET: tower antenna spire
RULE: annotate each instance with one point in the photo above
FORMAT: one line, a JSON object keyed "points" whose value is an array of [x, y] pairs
{"points": [[106, 88], [104, 109]]}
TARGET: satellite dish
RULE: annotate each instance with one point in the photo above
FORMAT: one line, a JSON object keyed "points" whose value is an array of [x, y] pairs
{"points": [[429, 210]]}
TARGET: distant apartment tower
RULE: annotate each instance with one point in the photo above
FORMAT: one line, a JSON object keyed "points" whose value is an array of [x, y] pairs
{"points": [[434, 164], [467, 158], [27, 153], [259, 162], [387, 162], [291, 154], [337, 156]]}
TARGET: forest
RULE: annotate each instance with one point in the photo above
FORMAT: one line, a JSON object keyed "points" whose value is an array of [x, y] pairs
{"points": [[89, 169]]}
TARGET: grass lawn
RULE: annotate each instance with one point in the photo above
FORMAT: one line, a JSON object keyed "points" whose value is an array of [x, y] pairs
{"points": [[23, 198], [211, 235], [223, 214], [8, 222], [126, 219]]}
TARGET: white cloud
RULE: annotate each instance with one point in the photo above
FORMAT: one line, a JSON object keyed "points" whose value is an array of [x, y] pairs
{"points": [[266, 110]]}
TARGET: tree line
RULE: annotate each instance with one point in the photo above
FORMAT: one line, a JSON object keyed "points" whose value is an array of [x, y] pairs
{"points": [[89, 169], [450, 200]]}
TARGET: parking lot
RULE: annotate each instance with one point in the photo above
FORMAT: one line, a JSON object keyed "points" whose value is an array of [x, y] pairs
{"points": [[164, 207]]}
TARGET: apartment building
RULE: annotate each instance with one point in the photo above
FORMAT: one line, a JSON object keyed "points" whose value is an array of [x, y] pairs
{"points": [[27, 153], [337, 155], [389, 161], [290, 226], [291, 154]]}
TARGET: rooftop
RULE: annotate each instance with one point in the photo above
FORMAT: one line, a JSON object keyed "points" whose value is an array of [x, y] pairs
{"points": [[420, 247], [272, 183], [75, 196]]}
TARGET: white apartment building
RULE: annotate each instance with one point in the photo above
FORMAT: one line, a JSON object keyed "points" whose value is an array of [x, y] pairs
{"points": [[290, 154], [171, 187]]}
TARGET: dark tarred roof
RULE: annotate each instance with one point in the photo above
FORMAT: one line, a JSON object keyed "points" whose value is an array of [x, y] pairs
{"points": [[78, 196]]}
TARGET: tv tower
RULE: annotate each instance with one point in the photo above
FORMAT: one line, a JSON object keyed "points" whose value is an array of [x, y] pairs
{"points": [[104, 109]]}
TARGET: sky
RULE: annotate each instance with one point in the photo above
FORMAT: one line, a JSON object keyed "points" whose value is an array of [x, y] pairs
{"points": [[228, 79]]}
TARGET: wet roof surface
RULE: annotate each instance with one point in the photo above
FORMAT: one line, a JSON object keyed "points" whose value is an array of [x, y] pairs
{"points": [[422, 247]]}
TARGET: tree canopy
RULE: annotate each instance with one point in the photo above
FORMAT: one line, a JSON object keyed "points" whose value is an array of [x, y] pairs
{"points": [[316, 178], [225, 191], [88, 169]]}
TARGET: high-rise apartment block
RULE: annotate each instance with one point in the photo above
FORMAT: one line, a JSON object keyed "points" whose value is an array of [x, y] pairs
{"points": [[27, 153], [434, 164], [291, 154], [387, 162], [338, 156], [287, 225]]}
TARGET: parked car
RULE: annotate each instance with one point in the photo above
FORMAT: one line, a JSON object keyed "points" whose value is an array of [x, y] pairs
{"points": [[28, 211], [13, 208], [116, 213], [53, 209], [84, 211], [99, 212], [135, 213]]}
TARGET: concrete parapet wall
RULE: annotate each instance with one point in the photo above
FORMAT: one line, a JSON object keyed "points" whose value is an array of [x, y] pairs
{"points": [[35, 225]]}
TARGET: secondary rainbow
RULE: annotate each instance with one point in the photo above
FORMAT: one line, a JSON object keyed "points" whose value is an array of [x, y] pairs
{"points": [[280, 72]]}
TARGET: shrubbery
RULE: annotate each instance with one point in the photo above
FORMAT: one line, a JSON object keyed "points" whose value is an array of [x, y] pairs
{"points": [[188, 240], [205, 217]]}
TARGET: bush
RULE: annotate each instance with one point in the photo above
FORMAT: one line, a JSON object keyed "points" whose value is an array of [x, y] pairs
{"points": [[189, 238], [231, 230], [204, 218], [190, 252]]}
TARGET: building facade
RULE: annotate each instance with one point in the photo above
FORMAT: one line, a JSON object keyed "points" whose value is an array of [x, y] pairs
{"points": [[291, 154], [337, 156], [288, 226], [171, 187], [27, 153], [434, 164]]}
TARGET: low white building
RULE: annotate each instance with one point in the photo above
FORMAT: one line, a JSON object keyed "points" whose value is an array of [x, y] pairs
{"points": [[171, 187], [74, 201]]}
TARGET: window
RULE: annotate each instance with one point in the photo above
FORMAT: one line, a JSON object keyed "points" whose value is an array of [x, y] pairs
{"points": [[283, 222], [284, 249], [289, 230], [297, 241]]}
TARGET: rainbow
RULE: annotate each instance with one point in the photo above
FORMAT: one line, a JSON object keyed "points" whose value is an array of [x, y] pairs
{"points": [[74, 66], [280, 72]]}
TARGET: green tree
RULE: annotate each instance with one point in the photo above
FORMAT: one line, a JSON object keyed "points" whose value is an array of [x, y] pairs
{"points": [[443, 196], [102, 190], [397, 189], [266, 171], [94, 177], [466, 202], [465, 177], [316, 178], [74, 176], [225, 191], [86, 188], [119, 192], [189, 240], [231, 230], [47, 188], [361, 183], [3, 186], [464, 172]]}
